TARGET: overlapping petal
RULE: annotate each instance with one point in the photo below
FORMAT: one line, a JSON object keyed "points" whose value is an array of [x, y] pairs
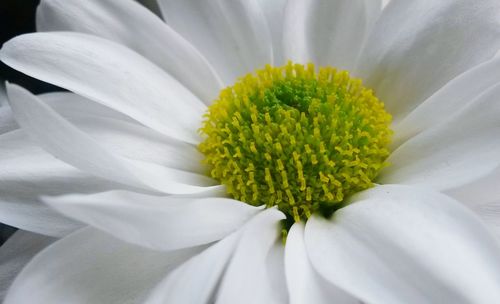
{"points": [[7, 122], [110, 74], [132, 25], [490, 214], [247, 279], [328, 32], [92, 267], [123, 135], [393, 244], [161, 223], [305, 285], [19, 249], [449, 100], [479, 191], [65, 141], [26, 172], [187, 284], [275, 14], [400, 244], [232, 34], [416, 47], [462, 149], [71, 105]]}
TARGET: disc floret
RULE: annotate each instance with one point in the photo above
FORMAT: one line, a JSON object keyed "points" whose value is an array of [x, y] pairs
{"points": [[296, 138]]}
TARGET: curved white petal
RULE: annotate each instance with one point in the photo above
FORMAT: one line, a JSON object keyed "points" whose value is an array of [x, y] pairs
{"points": [[450, 99], [26, 172], [63, 140], [328, 32], [163, 223], [400, 244], [15, 253], [416, 47], [196, 280], [109, 74], [67, 104], [232, 34], [92, 267], [490, 214], [480, 191], [132, 25], [275, 266], [305, 285], [142, 144], [123, 136], [71, 105], [247, 279], [460, 150], [275, 12], [7, 122]]}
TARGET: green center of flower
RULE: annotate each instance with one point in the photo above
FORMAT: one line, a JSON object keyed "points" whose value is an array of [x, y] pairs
{"points": [[296, 138]]}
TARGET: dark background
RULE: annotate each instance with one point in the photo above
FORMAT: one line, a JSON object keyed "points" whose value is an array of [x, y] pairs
{"points": [[17, 17]]}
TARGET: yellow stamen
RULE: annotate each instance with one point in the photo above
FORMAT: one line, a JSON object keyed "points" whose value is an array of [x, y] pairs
{"points": [[296, 138]]}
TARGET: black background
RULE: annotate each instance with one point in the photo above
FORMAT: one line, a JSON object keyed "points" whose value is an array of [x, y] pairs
{"points": [[18, 17]]}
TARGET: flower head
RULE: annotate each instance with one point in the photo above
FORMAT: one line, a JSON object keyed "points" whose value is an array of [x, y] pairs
{"points": [[189, 148], [296, 139]]}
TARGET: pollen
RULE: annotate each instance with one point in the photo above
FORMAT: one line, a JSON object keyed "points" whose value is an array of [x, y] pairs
{"points": [[296, 137]]}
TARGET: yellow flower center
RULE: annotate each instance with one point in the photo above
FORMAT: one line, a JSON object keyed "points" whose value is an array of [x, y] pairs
{"points": [[296, 138]]}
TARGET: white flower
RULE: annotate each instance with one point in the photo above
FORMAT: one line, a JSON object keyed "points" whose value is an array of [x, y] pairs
{"points": [[122, 158]]}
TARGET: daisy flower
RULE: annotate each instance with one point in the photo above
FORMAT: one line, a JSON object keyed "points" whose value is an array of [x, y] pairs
{"points": [[257, 152]]}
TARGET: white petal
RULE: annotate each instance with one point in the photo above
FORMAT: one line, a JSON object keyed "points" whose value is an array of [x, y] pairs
{"points": [[3, 96], [123, 136], [63, 140], [70, 105], [232, 34], [274, 11], [132, 25], [450, 99], [91, 267], [142, 144], [416, 47], [490, 214], [16, 253], [26, 172], [109, 74], [275, 265], [65, 103], [400, 244], [304, 283], [247, 279], [460, 150], [196, 280], [328, 32], [7, 122], [163, 223], [480, 191]]}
